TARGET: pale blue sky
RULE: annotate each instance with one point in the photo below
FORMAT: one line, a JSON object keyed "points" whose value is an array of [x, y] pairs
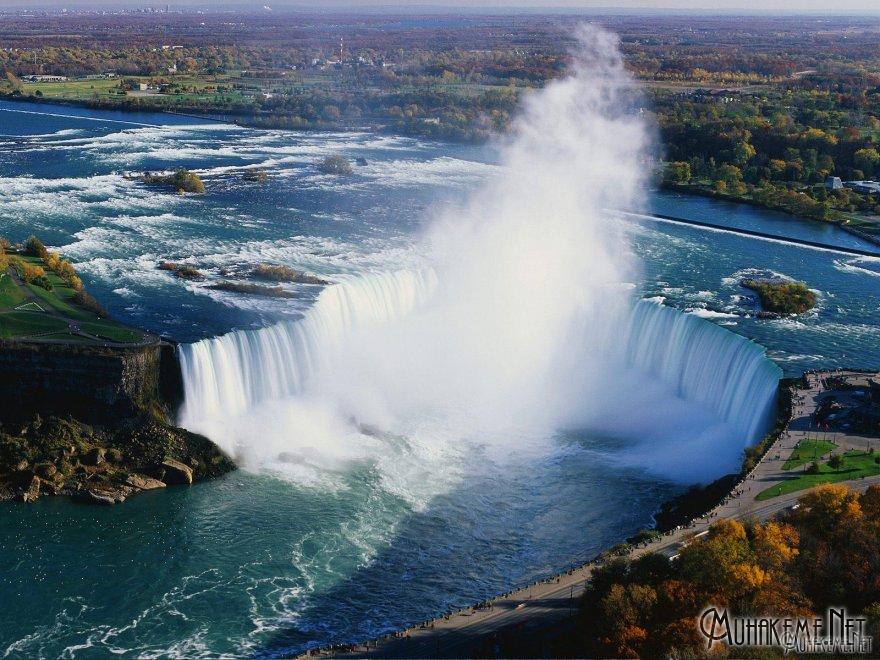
{"points": [[721, 6]]}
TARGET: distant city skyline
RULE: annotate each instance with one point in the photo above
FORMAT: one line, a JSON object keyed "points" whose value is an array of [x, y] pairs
{"points": [[869, 7]]}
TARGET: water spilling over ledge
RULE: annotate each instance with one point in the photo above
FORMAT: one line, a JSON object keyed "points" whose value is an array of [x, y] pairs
{"points": [[687, 358], [706, 363]]}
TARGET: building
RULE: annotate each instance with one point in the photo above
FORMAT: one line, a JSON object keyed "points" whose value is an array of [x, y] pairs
{"points": [[864, 187], [833, 183]]}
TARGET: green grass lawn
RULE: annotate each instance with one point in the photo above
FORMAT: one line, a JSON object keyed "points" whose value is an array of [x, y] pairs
{"points": [[197, 88], [10, 294], [21, 323], [856, 464], [112, 331], [807, 451]]}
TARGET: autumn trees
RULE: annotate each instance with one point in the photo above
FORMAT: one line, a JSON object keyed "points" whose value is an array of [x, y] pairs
{"points": [[826, 552], [53, 262], [773, 148]]}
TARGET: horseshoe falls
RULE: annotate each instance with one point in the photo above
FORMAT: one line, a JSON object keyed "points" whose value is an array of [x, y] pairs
{"points": [[516, 324], [695, 364], [700, 361], [482, 397], [235, 372]]}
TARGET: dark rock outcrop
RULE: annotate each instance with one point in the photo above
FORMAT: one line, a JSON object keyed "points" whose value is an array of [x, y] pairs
{"points": [[94, 384], [95, 456], [142, 482], [89, 422], [175, 472], [32, 492], [71, 458]]}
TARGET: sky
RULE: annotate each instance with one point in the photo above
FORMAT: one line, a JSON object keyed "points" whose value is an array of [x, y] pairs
{"points": [[708, 6]]}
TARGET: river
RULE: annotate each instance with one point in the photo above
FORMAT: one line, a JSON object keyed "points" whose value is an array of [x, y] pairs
{"points": [[268, 564]]}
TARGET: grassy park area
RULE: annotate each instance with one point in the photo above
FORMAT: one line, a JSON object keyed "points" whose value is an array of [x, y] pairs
{"points": [[851, 465], [49, 309], [808, 450]]}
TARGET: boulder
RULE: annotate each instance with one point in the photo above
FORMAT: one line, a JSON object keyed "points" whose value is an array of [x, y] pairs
{"points": [[94, 456], [114, 456], [55, 486], [97, 497], [143, 483], [176, 472], [32, 492], [45, 470]]}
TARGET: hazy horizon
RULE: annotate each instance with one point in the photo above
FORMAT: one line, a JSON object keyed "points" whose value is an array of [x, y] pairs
{"points": [[742, 7]]}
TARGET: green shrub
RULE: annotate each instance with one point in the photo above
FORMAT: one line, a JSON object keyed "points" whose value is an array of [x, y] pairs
{"points": [[43, 282], [782, 297], [335, 165], [35, 248]]}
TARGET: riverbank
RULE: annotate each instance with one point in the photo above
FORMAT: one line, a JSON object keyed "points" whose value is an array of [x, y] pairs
{"points": [[224, 116], [86, 400], [840, 222], [530, 614], [423, 130]]}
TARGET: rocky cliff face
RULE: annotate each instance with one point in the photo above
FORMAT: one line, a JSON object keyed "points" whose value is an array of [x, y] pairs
{"points": [[96, 385], [89, 422]]}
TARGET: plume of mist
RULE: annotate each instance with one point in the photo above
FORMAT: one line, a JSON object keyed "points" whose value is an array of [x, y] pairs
{"points": [[528, 269], [508, 334]]}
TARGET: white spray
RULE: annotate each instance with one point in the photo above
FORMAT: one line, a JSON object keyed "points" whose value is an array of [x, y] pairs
{"points": [[508, 333]]}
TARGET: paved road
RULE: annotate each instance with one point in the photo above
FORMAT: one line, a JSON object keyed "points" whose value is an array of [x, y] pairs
{"points": [[553, 600]]}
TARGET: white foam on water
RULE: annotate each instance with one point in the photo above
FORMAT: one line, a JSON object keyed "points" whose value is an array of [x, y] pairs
{"points": [[852, 266], [704, 313]]}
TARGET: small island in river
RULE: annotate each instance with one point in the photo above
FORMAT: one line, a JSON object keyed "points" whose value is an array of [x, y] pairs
{"points": [[780, 297], [182, 180]]}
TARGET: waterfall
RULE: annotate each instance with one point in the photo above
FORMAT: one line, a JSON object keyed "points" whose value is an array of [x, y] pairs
{"points": [[518, 326], [694, 359], [231, 374], [703, 362]]}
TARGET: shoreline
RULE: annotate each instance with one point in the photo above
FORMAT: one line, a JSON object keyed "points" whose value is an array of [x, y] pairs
{"points": [[250, 121], [531, 610], [699, 191]]}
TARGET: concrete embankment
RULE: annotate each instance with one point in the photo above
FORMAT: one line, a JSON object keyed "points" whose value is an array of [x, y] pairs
{"points": [[759, 234]]}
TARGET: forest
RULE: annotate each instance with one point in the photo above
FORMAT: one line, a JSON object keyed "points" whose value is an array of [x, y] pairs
{"points": [[825, 552], [760, 110]]}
